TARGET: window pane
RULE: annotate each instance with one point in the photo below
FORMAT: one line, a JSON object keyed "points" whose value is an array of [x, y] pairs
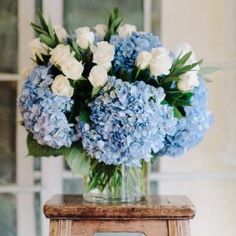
{"points": [[8, 215], [8, 35], [38, 7], [153, 187], [156, 17], [7, 131], [37, 163], [38, 212], [79, 13], [73, 186]]}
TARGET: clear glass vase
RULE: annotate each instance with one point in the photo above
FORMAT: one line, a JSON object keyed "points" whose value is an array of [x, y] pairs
{"points": [[126, 184]]}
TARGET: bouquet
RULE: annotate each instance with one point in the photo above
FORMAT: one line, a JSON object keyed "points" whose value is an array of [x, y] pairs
{"points": [[110, 98]]}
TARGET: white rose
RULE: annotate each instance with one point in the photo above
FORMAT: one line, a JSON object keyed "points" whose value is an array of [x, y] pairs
{"points": [[60, 32], [98, 76], [188, 81], [183, 48], [72, 68], [126, 30], [61, 86], [103, 54], [159, 50], [85, 37], [36, 47], [60, 54], [161, 62], [143, 60], [101, 30]]}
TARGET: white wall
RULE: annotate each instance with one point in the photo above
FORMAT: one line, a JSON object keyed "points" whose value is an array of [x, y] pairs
{"points": [[210, 27]]}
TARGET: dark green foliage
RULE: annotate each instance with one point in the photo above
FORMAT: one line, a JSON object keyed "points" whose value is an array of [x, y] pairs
{"points": [[102, 175], [175, 97], [76, 157], [45, 32], [114, 22], [82, 94], [47, 36]]}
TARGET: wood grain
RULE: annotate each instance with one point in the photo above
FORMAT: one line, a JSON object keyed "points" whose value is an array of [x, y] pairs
{"points": [[60, 227], [178, 228], [90, 227], [70, 215], [53, 228], [155, 207]]}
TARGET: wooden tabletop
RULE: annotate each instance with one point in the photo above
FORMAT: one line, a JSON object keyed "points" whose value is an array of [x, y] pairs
{"points": [[155, 207]]}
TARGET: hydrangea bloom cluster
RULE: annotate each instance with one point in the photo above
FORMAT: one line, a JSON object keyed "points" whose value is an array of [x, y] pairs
{"points": [[44, 112], [127, 123], [128, 48], [191, 128], [113, 93]]}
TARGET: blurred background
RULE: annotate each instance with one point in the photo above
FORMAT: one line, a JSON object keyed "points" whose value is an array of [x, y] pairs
{"points": [[206, 174]]}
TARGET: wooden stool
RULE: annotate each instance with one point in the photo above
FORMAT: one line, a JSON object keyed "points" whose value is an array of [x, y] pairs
{"points": [[70, 215]]}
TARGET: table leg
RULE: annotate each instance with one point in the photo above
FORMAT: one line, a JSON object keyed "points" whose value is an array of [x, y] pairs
{"points": [[178, 228], [60, 228]]}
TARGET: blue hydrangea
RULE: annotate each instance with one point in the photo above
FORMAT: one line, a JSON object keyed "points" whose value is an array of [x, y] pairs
{"points": [[128, 48], [44, 113], [190, 129], [127, 123]]}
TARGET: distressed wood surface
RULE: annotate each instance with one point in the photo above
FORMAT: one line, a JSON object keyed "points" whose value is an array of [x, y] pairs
{"points": [[155, 207]]}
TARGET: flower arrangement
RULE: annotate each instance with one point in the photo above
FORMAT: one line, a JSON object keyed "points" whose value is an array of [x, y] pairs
{"points": [[111, 96]]}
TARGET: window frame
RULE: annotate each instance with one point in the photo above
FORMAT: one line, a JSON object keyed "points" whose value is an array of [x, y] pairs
{"points": [[52, 171]]}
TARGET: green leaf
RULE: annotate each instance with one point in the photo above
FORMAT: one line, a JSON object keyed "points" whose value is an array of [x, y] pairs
{"points": [[164, 102], [47, 40], [187, 95], [182, 102], [51, 31], [37, 28], [39, 59], [84, 116], [115, 24], [77, 160], [42, 21], [177, 113], [208, 70], [96, 91], [170, 79], [116, 12], [124, 75], [75, 47], [172, 91], [75, 156], [183, 69], [182, 60], [77, 51], [37, 150], [45, 58]]}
